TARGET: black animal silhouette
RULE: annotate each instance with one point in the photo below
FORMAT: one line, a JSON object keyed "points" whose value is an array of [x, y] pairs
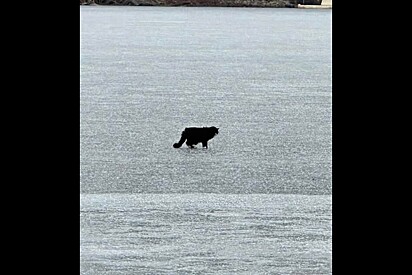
{"points": [[194, 135]]}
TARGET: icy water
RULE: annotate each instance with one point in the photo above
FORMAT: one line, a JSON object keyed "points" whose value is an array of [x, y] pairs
{"points": [[258, 200]]}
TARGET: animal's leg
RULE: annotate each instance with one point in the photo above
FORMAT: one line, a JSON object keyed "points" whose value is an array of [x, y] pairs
{"points": [[204, 143]]}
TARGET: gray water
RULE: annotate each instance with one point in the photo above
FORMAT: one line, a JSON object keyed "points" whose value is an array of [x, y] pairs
{"points": [[258, 200]]}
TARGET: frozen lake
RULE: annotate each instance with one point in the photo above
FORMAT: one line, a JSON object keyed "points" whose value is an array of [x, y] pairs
{"points": [[258, 200], [205, 234]]}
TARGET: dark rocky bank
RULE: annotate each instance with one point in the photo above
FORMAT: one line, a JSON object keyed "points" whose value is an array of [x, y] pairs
{"points": [[200, 3]]}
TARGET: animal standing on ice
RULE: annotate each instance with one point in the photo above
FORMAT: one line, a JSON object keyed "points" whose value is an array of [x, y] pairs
{"points": [[195, 135]]}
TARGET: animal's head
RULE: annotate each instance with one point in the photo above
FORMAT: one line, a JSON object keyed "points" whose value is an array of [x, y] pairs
{"points": [[215, 130]]}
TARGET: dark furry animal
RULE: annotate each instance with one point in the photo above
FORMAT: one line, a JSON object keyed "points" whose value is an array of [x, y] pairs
{"points": [[194, 135]]}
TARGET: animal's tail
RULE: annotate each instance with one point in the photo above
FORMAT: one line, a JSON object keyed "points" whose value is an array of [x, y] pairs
{"points": [[181, 141]]}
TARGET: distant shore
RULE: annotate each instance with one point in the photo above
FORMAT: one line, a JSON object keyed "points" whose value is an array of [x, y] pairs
{"points": [[216, 3], [325, 4]]}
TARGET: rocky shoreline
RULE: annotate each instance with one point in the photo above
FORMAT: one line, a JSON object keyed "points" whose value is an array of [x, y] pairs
{"points": [[200, 3]]}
